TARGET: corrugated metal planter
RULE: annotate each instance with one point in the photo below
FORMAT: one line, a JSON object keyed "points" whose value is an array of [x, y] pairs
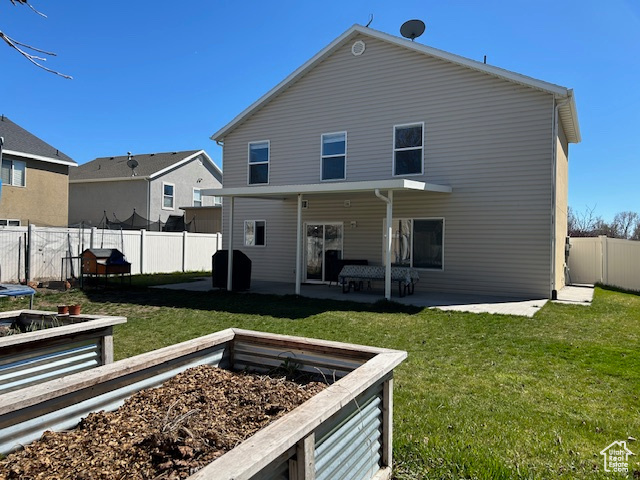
{"points": [[345, 431], [59, 345]]}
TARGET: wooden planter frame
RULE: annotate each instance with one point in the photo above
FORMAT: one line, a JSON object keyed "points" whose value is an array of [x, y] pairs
{"points": [[310, 442], [80, 343]]}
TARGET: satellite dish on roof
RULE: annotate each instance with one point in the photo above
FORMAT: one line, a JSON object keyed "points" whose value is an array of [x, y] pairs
{"points": [[412, 29], [132, 163]]}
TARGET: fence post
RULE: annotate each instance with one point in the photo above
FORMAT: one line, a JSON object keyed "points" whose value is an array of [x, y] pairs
{"points": [[92, 238], [143, 233], [27, 254], [184, 251], [605, 260]]}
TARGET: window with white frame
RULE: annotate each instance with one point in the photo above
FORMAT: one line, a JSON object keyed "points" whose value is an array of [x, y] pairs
{"points": [[259, 162], [13, 172], [408, 152], [418, 243], [334, 156], [217, 201], [255, 233], [197, 197], [7, 222], [168, 196]]}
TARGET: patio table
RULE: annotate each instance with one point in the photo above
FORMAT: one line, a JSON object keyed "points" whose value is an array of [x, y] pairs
{"points": [[405, 276], [7, 290]]}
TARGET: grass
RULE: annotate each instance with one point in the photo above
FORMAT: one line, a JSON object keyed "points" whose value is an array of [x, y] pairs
{"points": [[480, 396]]}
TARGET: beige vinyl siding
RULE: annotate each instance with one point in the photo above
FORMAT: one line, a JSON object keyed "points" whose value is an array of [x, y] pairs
{"points": [[562, 202], [44, 200], [487, 138]]}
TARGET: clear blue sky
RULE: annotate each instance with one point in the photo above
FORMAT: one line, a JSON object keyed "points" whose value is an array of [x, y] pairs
{"points": [[152, 76]]}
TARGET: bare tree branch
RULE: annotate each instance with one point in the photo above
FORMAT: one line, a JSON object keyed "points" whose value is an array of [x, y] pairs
{"points": [[13, 43], [32, 58]]}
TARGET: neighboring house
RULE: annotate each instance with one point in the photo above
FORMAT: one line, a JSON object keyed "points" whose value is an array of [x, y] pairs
{"points": [[157, 186], [35, 179], [467, 160]]}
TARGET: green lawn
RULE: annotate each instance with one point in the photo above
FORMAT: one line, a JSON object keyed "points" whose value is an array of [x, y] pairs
{"points": [[480, 396]]}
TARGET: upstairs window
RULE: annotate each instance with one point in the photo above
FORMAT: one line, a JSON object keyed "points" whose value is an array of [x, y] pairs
{"points": [[334, 156], [408, 149], [217, 201], [197, 197], [259, 163], [255, 233], [168, 196], [13, 173]]}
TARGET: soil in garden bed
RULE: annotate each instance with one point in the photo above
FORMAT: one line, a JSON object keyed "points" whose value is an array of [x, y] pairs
{"points": [[167, 433]]}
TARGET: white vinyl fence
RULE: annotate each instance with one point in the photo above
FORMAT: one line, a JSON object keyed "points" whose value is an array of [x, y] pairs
{"points": [[610, 261], [148, 252]]}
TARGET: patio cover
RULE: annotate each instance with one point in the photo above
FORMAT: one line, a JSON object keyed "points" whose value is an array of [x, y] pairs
{"points": [[286, 191]]}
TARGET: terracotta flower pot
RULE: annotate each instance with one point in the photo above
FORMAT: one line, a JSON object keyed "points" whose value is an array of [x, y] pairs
{"points": [[63, 309], [74, 309]]}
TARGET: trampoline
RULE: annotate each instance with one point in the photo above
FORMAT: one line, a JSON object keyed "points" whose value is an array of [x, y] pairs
{"points": [[7, 290]]}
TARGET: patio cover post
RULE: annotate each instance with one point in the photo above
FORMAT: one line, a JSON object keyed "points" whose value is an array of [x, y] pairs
{"points": [[387, 266], [230, 248], [299, 245]]}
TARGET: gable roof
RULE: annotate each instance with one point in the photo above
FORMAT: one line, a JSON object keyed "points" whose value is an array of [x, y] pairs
{"points": [[150, 165], [20, 143], [567, 107]]}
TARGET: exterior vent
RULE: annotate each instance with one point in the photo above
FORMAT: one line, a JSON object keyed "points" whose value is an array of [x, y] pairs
{"points": [[305, 204], [358, 48]]}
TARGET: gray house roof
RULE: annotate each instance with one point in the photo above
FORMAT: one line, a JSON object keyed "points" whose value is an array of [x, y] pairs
{"points": [[19, 142], [150, 165], [564, 96]]}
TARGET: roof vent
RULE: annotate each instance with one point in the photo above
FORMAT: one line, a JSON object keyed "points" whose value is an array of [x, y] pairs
{"points": [[358, 48]]}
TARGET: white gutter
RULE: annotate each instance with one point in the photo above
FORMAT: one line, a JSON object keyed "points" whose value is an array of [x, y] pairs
{"points": [[554, 165], [316, 188], [40, 158]]}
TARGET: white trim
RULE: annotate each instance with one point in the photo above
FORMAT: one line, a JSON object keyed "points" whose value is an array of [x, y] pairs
{"points": [[413, 219], [393, 162], [185, 160], [193, 197], [244, 233], [39, 157], [355, 30], [329, 187], [268, 162], [322, 157], [173, 197]]}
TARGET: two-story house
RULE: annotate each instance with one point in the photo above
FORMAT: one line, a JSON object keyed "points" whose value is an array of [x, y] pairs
{"points": [[156, 185], [384, 149], [35, 179]]}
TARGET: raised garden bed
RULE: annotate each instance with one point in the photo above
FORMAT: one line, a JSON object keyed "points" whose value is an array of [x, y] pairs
{"points": [[345, 428], [37, 346]]}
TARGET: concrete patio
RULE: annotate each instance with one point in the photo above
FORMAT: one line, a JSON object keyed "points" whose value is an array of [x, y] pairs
{"points": [[444, 301]]}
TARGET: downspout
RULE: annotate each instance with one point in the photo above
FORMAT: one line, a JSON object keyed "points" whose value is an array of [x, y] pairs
{"points": [[148, 200], [554, 165], [387, 264]]}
